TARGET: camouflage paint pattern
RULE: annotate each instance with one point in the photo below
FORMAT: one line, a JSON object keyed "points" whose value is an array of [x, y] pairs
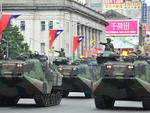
{"points": [[78, 76], [29, 78], [121, 80]]}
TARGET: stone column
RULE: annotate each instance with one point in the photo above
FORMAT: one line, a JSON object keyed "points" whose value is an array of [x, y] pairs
{"points": [[93, 36], [102, 39], [82, 43], [90, 34], [79, 48], [87, 35], [97, 38]]}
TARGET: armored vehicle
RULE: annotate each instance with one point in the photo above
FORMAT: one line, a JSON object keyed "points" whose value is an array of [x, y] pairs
{"points": [[120, 80], [29, 78], [77, 76]]}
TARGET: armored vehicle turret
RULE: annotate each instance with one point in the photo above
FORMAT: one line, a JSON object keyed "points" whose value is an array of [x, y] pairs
{"points": [[61, 61], [119, 80], [107, 56], [29, 78], [78, 76]]}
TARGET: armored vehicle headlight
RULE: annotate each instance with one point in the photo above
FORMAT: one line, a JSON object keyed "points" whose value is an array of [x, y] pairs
{"points": [[60, 69], [109, 66], [75, 69], [19, 65], [130, 67]]}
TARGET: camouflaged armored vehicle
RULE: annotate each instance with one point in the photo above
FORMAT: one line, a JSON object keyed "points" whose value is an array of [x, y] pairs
{"points": [[121, 80], [29, 78], [77, 76]]}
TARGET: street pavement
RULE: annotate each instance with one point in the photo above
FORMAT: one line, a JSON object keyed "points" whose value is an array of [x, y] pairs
{"points": [[75, 103]]}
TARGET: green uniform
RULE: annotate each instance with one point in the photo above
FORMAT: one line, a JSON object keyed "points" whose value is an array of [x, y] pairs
{"points": [[61, 53], [108, 46]]}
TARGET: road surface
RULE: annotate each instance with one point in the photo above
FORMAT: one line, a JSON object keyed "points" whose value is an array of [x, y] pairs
{"points": [[76, 103]]}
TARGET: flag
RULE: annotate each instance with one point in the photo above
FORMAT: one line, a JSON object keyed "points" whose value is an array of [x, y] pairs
{"points": [[48, 49], [92, 41], [5, 21], [97, 49], [76, 42], [81, 56], [52, 36], [124, 53]]}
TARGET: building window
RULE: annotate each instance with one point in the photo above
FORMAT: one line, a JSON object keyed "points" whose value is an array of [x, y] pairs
{"points": [[78, 29], [50, 25], [81, 29], [22, 25], [42, 25], [42, 47]]}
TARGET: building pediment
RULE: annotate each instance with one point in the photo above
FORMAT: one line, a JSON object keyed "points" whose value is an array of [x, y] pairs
{"points": [[111, 14]]}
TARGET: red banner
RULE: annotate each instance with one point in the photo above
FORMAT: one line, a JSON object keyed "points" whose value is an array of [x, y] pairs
{"points": [[122, 27], [144, 30]]}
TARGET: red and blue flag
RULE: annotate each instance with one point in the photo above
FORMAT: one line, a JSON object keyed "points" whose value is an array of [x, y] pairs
{"points": [[5, 20], [76, 41], [97, 49], [53, 34]]}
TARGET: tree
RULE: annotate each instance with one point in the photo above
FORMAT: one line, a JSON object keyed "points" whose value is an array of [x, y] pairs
{"points": [[16, 44]]}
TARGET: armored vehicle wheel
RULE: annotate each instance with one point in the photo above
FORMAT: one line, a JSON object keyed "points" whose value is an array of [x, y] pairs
{"points": [[8, 101], [44, 100], [146, 103], [65, 94], [88, 94], [103, 102]]}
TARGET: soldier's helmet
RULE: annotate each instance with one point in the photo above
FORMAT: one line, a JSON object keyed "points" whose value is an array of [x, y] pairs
{"points": [[62, 49], [108, 40], [139, 52]]}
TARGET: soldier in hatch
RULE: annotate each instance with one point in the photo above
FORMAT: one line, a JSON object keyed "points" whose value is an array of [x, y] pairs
{"points": [[61, 52], [108, 46]]}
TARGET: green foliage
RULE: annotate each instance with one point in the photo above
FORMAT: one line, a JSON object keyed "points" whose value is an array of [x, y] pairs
{"points": [[16, 45]]}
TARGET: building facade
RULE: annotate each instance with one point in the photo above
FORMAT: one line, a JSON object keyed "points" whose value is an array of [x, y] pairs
{"points": [[37, 17], [96, 5]]}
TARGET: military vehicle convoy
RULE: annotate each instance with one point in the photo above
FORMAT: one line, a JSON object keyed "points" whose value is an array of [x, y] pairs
{"points": [[77, 76], [122, 80], [29, 78]]}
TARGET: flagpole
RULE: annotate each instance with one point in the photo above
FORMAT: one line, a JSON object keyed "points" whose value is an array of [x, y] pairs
{"points": [[74, 57]]}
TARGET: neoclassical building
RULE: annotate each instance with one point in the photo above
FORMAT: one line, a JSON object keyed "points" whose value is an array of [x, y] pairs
{"points": [[37, 17]]}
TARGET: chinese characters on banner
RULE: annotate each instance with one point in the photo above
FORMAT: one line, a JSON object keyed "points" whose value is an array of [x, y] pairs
{"points": [[144, 13], [113, 1], [143, 30], [121, 4], [122, 27]]}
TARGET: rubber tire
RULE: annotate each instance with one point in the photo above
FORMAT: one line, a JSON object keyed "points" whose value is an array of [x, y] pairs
{"points": [[9, 101], [104, 102], [65, 94], [146, 103], [88, 94]]}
